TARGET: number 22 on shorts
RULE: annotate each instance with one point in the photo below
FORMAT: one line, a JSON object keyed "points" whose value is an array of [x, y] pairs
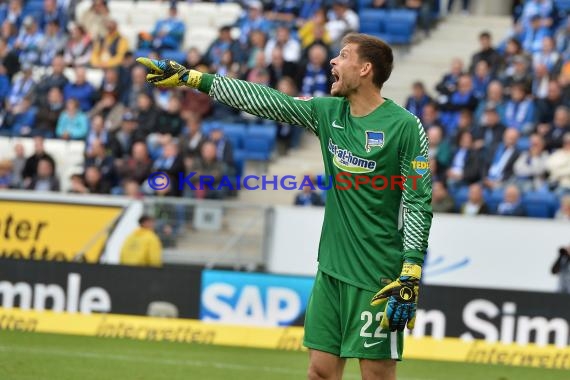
{"points": [[368, 318]]}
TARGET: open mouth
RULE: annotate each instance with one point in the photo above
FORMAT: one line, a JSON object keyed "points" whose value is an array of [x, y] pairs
{"points": [[335, 76]]}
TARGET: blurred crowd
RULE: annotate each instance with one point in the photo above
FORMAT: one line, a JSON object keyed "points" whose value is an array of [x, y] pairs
{"points": [[501, 122]]}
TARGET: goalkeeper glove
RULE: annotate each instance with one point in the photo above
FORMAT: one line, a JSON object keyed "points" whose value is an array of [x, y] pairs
{"points": [[168, 73], [401, 298]]}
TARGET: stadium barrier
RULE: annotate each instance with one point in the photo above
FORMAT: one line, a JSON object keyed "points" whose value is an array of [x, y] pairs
{"points": [[267, 311], [282, 338], [463, 251]]}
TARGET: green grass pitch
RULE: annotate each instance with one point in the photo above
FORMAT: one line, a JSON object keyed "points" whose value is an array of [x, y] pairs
{"points": [[28, 356]]}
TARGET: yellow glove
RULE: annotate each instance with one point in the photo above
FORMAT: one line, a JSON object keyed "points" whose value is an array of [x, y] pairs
{"points": [[169, 74], [401, 299]]}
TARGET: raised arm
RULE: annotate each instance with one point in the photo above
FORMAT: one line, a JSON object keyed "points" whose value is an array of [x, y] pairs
{"points": [[253, 98]]}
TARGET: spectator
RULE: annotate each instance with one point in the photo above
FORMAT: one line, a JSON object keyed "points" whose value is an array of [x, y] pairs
{"points": [[131, 189], [291, 48], [562, 39], [5, 174], [53, 13], [554, 133], [30, 168], [142, 247], [109, 51], [56, 78], [342, 20], [29, 42], [563, 212], [48, 113], [147, 114], [520, 111], [465, 123], [546, 107], [168, 222], [448, 84], [487, 53], [481, 79], [94, 20], [513, 49], [315, 31], [465, 167], [20, 121], [418, 100], [441, 200], [439, 149], [4, 86], [224, 148], [519, 74], [316, 77], [52, 44], [168, 33], [541, 11], [253, 20], [228, 66], [207, 164], [533, 36], [464, 6], [430, 116], [97, 132], [121, 141], [475, 204], [94, 181], [548, 56], [494, 99], [137, 86], [561, 268], [530, 167], [77, 184], [44, 179], [102, 160], [279, 68], [111, 110], [9, 33], [21, 88], [285, 132], [81, 90], [194, 57], [18, 165], [137, 165], [213, 56], [284, 12], [489, 134], [78, 50], [540, 82], [308, 197], [558, 166], [511, 204], [502, 160], [192, 138], [72, 123], [462, 98], [169, 122], [169, 161], [14, 13], [8, 59], [258, 73], [257, 41]]}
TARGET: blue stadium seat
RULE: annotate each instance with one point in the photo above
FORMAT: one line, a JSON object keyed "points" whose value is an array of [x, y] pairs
{"points": [[523, 143], [493, 199], [257, 148], [540, 204], [460, 196], [207, 127], [400, 26], [235, 133], [267, 132], [363, 4], [562, 5], [239, 160], [372, 21], [174, 55]]}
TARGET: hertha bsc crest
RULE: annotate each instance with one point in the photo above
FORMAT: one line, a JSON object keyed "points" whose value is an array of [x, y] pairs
{"points": [[374, 138]]}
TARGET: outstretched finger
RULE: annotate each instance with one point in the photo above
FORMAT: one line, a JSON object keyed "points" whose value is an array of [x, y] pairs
{"points": [[154, 78], [152, 64]]}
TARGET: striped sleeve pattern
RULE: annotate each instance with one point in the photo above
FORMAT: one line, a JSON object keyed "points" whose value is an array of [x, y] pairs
{"points": [[416, 199], [264, 102]]}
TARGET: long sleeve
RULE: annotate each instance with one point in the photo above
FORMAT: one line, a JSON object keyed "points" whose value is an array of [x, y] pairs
{"points": [[416, 197], [261, 101]]}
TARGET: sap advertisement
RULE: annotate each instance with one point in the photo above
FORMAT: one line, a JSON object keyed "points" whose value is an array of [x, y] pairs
{"points": [[253, 298]]}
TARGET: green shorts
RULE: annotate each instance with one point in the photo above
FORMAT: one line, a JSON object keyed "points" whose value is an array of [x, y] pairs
{"points": [[339, 320]]}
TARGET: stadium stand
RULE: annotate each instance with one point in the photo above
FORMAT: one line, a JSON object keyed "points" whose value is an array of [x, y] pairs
{"points": [[118, 95]]}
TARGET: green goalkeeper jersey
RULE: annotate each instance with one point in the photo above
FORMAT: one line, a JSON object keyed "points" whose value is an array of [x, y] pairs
{"points": [[369, 231]]}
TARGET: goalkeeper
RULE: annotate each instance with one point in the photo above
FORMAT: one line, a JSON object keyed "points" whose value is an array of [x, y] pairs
{"points": [[371, 239]]}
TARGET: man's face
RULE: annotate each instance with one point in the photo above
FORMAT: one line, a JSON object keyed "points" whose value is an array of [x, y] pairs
{"points": [[475, 193], [346, 71]]}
